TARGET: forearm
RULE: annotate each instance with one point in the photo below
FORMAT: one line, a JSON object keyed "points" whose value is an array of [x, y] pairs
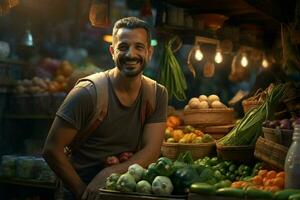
{"points": [[60, 164]]}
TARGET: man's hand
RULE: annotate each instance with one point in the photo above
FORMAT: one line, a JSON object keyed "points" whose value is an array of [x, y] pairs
{"points": [[98, 182]]}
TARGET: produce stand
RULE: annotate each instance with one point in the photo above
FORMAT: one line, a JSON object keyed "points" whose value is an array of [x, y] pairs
{"points": [[115, 195]]}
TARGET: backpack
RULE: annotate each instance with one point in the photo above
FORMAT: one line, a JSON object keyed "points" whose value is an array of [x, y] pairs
{"points": [[100, 82]]}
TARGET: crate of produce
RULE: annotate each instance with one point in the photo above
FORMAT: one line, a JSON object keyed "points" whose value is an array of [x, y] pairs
{"points": [[198, 150], [209, 117], [236, 153], [218, 131], [277, 135], [105, 194], [270, 152]]}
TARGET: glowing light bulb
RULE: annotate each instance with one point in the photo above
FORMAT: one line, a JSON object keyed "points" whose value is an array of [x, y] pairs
{"points": [[218, 57], [244, 61], [265, 63], [198, 54]]}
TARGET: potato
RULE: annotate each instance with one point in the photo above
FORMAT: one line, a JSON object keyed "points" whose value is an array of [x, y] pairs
{"points": [[203, 105], [193, 99], [195, 104], [212, 98], [217, 104], [186, 107], [203, 98]]}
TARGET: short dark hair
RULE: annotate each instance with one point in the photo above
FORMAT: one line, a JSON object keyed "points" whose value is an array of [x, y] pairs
{"points": [[132, 23]]}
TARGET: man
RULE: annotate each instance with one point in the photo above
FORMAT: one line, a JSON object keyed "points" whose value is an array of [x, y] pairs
{"points": [[120, 129]]}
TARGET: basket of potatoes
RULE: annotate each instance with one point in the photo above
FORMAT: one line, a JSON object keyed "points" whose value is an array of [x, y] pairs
{"points": [[207, 111]]}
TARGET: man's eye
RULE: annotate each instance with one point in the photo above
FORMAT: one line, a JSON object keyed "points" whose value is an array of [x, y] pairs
{"points": [[122, 48], [140, 47]]}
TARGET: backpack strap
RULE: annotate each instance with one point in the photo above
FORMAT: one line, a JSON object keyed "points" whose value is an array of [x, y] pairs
{"points": [[100, 82]]}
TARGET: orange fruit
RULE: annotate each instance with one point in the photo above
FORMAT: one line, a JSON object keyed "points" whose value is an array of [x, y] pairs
{"points": [[262, 173], [271, 174]]}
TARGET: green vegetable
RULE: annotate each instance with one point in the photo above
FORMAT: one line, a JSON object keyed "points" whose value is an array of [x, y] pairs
{"points": [[162, 185], [144, 187], [203, 188], [284, 194], [230, 192], [207, 138], [171, 75], [126, 183], [111, 181], [258, 194], [223, 184], [150, 173], [183, 178], [294, 197], [164, 166], [207, 176], [136, 171], [247, 131]]}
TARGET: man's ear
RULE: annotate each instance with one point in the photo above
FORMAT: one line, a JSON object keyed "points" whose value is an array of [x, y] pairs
{"points": [[112, 50], [151, 50]]}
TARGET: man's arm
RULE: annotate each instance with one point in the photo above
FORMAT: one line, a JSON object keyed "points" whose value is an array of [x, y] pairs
{"points": [[60, 135], [152, 140]]}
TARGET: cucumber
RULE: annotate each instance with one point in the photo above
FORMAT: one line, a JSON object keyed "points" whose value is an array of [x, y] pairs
{"points": [[230, 192], [258, 194], [294, 197], [284, 194], [203, 188]]}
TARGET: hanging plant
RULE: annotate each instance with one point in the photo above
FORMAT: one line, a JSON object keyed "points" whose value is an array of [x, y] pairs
{"points": [[171, 75]]}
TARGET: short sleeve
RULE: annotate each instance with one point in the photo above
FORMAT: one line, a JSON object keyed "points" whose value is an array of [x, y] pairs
{"points": [[160, 111], [77, 108]]}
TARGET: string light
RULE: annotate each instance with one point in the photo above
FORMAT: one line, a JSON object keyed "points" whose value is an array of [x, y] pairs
{"points": [[244, 60], [218, 56], [265, 62], [198, 53]]}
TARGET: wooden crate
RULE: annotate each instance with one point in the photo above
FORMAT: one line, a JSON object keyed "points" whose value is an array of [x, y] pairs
{"points": [[243, 154], [116, 195], [218, 131], [208, 117], [172, 150], [280, 136]]}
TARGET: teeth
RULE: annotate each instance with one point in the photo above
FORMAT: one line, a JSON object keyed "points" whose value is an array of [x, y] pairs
{"points": [[131, 62]]}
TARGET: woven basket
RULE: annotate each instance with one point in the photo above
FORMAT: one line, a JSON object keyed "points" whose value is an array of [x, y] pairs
{"points": [[247, 105], [208, 117], [270, 152], [280, 136], [200, 150], [243, 154]]}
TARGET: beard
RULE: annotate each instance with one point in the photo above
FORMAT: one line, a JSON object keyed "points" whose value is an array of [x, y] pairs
{"points": [[131, 67]]}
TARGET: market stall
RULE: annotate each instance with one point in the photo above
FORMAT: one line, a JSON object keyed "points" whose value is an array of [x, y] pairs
{"points": [[231, 70]]}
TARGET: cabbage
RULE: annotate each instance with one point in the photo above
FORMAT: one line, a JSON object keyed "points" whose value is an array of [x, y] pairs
{"points": [[162, 185], [111, 181], [136, 171], [143, 186], [126, 183]]}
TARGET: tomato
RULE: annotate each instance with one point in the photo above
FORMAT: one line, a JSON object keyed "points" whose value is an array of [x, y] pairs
{"points": [[271, 174], [257, 180], [262, 173], [281, 174], [278, 181]]}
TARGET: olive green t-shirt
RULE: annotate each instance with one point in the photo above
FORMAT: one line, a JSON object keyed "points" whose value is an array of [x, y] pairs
{"points": [[120, 131]]}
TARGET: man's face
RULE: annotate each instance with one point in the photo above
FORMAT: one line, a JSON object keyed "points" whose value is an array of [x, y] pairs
{"points": [[130, 51]]}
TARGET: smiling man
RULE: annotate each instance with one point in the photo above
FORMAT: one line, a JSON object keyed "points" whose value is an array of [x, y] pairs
{"points": [[130, 123]]}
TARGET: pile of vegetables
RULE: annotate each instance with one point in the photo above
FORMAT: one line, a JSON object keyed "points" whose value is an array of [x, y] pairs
{"points": [[248, 129], [288, 124], [205, 102], [171, 75]]}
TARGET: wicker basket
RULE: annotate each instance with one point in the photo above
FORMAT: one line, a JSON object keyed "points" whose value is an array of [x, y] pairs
{"points": [[243, 154], [280, 136], [200, 150], [270, 152], [247, 105], [208, 117]]}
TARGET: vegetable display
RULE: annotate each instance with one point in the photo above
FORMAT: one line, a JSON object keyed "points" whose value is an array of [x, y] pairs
{"points": [[249, 128], [171, 75]]}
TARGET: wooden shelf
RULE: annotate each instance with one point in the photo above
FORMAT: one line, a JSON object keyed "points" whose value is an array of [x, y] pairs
{"points": [[18, 116], [28, 183], [12, 62]]}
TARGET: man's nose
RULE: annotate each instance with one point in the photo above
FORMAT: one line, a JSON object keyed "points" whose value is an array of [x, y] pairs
{"points": [[131, 52]]}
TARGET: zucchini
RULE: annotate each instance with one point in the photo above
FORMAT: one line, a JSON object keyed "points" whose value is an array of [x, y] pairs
{"points": [[284, 194], [258, 194], [295, 197], [203, 188], [230, 192]]}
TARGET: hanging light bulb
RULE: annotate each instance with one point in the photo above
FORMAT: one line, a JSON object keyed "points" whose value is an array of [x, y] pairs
{"points": [[198, 53], [218, 56], [244, 60], [265, 62]]}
